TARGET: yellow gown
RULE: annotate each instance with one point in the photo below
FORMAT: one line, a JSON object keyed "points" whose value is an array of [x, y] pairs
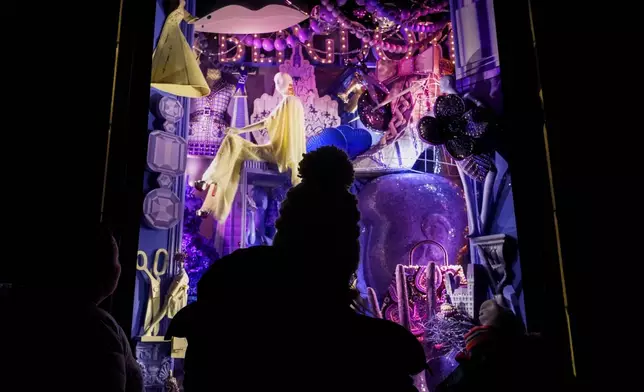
{"points": [[174, 67], [285, 126]]}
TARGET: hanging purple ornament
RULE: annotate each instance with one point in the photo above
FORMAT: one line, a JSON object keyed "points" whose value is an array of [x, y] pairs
{"points": [[280, 44], [330, 7], [341, 2], [291, 41], [360, 2], [267, 44], [315, 26], [366, 38], [359, 34], [248, 40], [257, 43], [370, 7], [324, 2], [303, 35], [405, 14], [335, 12], [372, 3], [326, 15]]}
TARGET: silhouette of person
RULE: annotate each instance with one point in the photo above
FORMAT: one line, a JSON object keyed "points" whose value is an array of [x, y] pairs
{"points": [[284, 317], [86, 349], [499, 356]]}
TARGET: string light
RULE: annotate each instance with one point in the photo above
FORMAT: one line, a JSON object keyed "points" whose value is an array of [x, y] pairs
{"points": [[239, 49], [329, 51], [421, 34], [327, 55], [452, 47], [343, 42]]}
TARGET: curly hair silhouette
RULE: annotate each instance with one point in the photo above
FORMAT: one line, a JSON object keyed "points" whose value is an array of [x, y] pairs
{"points": [[319, 217]]}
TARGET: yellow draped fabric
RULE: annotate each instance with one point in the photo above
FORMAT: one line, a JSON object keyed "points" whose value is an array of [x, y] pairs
{"points": [[174, 67], [285, 126]]}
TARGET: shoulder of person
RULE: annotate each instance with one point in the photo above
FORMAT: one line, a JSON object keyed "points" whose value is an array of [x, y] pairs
{"points": [[233, 261], [219, 275], [108, 328], [397, 340]]}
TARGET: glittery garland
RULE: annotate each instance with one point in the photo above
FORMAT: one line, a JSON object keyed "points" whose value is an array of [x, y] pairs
{"points": [[200, 254]]}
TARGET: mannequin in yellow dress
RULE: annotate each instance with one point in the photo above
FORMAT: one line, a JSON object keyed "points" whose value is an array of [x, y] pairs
{"points": [[175, 69], [285, 126]]}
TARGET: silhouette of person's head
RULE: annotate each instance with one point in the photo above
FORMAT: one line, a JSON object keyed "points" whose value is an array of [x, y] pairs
{"points": [[319, 218], [102, 268]]}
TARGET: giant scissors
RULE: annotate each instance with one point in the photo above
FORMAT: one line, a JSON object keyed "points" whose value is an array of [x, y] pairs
{"points": [[154, 297]]}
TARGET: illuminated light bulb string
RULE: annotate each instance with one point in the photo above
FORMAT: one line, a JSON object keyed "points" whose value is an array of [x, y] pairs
{"points": [[452, 48], [404, 18], [316, 54], [375, 38]]}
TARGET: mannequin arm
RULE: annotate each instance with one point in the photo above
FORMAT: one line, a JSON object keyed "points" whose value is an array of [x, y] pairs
{"points": [[469, 96], [188, 18], [249, 128]]}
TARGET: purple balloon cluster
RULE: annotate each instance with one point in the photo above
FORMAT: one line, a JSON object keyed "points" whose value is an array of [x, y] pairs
{"points": [[330, 14], [393, 48], [268, 44], [401, 16]]}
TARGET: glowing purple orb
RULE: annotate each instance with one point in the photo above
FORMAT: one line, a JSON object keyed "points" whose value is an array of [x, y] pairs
{"points": [[291, 41], [303, 35], [400, 210], [267, 44], [280, 44], [315, 26]]}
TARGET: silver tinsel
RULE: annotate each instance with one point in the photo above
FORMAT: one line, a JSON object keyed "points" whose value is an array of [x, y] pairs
{"points": [[446, 333]]}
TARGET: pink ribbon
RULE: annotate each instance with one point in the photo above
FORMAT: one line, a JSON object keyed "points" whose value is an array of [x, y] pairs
{"points": [[388, 71]]}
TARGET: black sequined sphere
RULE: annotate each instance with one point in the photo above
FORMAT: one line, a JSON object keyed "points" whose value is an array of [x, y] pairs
{"points": [[432, 131], [449, 107], [375, 120], [478, 122], [460, 148]]}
